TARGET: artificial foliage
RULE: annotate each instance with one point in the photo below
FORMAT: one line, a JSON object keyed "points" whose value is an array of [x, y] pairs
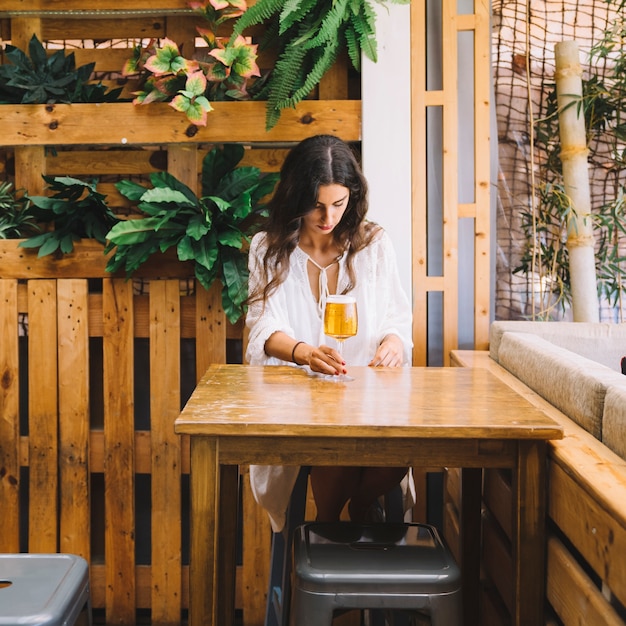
{"points": [[75, 210], [17, 217], [212, 230], [37, 78], [309, 35]]}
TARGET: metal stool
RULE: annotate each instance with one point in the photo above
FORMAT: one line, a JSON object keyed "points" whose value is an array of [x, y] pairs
{"points": [[43, 589], [279, 592], [365, 566]]}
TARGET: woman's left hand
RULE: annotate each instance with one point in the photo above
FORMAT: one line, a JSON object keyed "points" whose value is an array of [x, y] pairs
{"points": [[390, 352]]}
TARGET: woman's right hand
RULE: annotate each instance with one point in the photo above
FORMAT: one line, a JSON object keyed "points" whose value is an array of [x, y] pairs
{"points": [[323, 359]]}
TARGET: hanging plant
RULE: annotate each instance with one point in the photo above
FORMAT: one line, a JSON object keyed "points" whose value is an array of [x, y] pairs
{"points": [[309, 36], [210, 230]]}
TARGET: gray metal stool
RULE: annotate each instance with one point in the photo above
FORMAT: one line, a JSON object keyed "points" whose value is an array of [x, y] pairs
{"points": [[43, 589], [366, 566]]}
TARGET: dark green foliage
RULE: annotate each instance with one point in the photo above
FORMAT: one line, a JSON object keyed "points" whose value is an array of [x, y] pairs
{"points": [[43, 79], [210, 231], [76, 210], [309, 36], [17, 218]]}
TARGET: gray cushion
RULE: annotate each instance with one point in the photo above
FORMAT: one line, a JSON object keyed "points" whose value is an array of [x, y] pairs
{"points": [[604, 343], [573, 384], [614, 419]]}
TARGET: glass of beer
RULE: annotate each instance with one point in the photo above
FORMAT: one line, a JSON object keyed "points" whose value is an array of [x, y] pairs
{"points": [[340, 321]]}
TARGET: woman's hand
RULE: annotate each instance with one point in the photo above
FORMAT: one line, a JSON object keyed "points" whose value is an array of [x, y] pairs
{"points": [[390, 353], [324, 359]]}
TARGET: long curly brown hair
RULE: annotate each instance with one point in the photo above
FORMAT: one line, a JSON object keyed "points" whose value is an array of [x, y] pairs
{"points": [[314, 162]]}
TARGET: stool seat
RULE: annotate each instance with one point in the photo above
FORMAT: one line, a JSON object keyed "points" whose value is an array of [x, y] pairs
{"points": [[43, 589], [372, 566]]}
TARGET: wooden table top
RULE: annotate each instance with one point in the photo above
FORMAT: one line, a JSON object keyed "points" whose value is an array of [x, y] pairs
{"points": [[450, 402]]}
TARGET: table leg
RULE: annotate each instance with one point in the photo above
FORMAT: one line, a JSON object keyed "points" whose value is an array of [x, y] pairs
{"points": [[204, 498], [227, 556], [470, 528], [529, 500]]}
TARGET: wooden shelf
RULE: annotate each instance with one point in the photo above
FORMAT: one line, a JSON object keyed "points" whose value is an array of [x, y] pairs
{"points": [[124, 123]]}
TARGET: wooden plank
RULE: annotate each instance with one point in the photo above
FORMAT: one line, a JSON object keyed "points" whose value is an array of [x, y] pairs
{"points": [[450, 183], [482, 173], [39, 6], [9, 418], [119, 484], [166, 454], [86, 261], [418, 181], [598, 536], [256, 555], [497, 496], [73, 338], [42, 416], [122, 123], [30, 164], [497, 562], [572, 594], [210, 328]]}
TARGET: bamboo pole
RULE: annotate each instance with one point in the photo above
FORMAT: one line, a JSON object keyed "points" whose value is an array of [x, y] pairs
{"points": [[580, 240]]}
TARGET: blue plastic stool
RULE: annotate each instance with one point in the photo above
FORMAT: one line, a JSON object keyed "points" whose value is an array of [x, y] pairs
{"points": [[43, 589], [373, 566]]}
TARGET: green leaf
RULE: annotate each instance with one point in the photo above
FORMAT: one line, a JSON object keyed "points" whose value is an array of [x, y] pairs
{"points": [[231, 237], [164, 194], [131, 190]]}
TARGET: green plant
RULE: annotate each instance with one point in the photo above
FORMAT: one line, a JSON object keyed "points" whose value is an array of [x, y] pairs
{"points": [[43, 79], [603, 104], [209, 230], [221, 71], [309, 35], [17, 218], [75, 210]]}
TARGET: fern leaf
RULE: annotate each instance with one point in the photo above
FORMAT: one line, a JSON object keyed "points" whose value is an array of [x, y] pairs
{"points": [[294, 11], [258, 13], [364, 35], [354, 49], [331, 24], [320, 67], [286, 76]]}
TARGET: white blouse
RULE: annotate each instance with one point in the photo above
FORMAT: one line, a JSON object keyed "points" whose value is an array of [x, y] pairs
{"points": [[382, 306]]}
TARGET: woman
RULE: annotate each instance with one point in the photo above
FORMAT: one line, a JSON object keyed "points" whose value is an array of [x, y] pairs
{"points": [[317, 242]]}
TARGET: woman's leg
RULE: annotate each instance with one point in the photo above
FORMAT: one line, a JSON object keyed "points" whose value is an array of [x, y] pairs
{"points": [[332, 488], [374, 482]]}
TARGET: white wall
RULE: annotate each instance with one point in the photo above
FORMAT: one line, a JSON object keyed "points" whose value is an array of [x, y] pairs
{"points": [[386, 145]]}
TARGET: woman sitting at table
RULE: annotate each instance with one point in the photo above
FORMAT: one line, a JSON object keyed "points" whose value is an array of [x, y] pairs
{"points": [[317, 242]]}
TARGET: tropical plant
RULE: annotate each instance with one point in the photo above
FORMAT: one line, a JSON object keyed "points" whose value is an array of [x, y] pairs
{"points": [[75, 210], [210, 230], [17, 218], [43, 79], [221, 71], [309, 35]]}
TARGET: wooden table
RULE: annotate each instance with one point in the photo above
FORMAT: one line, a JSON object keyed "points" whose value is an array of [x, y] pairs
{"points": [[432, 417]]}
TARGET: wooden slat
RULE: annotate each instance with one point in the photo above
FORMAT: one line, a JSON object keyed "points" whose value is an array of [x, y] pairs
{"points": [[9, 418], [418, 178], [42, 416], [256, 555], [210, 328], [38, 6], [572, 594], [482, 172], [126, 124], [30, 164], [165, 452], [590, 528], [73, 333], [450, 183], [497, 496], [497, 562], [118, 354]]}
